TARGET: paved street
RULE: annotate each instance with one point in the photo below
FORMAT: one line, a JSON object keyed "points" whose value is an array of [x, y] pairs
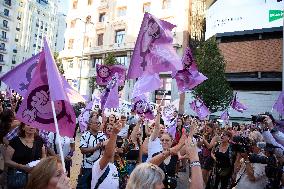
{"points": [[77, 158]]}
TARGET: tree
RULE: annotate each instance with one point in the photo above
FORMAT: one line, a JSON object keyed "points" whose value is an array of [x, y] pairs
{"points": [[216, 91], [110, 60], [58, 62]]}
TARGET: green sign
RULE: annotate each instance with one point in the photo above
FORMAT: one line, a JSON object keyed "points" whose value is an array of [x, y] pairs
{"points": [[275, 15]]}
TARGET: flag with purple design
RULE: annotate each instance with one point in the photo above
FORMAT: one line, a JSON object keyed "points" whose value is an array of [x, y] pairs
{"points": [[142, 106], [20, 77], [199, 108], [153, 50], [171, 129], [46, 86], [279, 104], [83, 118], [188, 60], [110, 96], [238, 106], [225, 116], [105, 73], [146, 83], [189, 77]]}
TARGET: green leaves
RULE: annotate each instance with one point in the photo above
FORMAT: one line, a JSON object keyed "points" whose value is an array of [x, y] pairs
{"points": [[216, 91]]}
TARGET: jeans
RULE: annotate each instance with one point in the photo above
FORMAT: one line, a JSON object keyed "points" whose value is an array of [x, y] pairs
{"points": [[84, 179]]}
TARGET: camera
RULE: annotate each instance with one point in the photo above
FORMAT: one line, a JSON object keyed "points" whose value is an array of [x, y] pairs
{"points": [[241, 144], [273, 169], [257, 118]]}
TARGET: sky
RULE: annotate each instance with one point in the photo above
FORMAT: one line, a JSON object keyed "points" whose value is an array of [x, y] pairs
{"points": [[63, 6]]}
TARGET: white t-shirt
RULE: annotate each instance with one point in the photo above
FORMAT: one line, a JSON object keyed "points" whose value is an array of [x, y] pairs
{"points": [[124, 131], [154, 147], [89, 140], [112, 179], [65, 141]]}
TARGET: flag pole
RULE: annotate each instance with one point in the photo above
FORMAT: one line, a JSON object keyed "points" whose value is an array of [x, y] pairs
{"points": [[58, 135]]}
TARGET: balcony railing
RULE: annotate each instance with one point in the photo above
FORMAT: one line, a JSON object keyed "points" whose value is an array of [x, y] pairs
{"points": [[3, 50], [4, 27], [5, 16], [4, 39]]}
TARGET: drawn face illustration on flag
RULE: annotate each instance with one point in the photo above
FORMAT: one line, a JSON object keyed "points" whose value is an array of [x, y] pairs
{"points": [[104, 72], [39, 107], [151, 32]]}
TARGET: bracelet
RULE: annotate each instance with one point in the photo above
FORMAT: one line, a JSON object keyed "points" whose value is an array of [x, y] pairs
{"points": [[195, 163]]}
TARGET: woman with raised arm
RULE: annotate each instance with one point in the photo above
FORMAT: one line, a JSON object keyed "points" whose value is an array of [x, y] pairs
{"points": [[104, 172]]}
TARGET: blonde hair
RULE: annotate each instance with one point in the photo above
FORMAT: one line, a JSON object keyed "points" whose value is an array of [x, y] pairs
{"points": [[255, 137], [42, 173], [145, 176]]}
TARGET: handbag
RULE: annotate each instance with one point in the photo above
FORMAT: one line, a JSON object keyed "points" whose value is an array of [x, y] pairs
{"points": [[17, 179], [224, 171]]}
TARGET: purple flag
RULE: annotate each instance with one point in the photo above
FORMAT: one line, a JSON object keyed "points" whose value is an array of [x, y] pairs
{"points": [[105, 73], [20, 77], [279, 104], [141, 106], [110, 96], [83, 118], [146, 83], [236, 105], [171, 129], [199, 108], [36, 109], [225, 116], [73, 96], [153, 50], [187, 79], [188, 60]]}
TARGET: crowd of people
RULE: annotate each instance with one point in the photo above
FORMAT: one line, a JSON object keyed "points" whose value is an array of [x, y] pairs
{"points": [[134, 153]]}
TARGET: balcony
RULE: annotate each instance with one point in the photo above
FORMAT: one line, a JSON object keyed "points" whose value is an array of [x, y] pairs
{"points": [[7, 3], [4, 39], [6, 28], [100, 25], [3, 51], [103, 5], [123, 47], [5, 16]]}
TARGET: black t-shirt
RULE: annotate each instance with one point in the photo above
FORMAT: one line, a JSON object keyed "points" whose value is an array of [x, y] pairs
{"points": [[23, 154]]}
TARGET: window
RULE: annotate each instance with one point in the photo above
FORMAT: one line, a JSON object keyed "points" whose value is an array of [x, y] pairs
{"points": [[14, 59], [18, 27], [166, 4], [122, 60], [5, 23], [100, 39], [19, 16], [102, 17], [71, 65], [75, 3], [90, 2], [12, 67], [146, 7], [73, 23], [119, 36], [8, 2], [37, 22], [6, 12], [1, 58], [4, 35], [121, 11], [2, 46], [70, 44], [97, 61]]}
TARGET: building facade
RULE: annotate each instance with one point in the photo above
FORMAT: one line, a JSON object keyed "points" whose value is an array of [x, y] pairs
{"points": [[24, 24], [252, 48], [95, 28], [61, 28]]}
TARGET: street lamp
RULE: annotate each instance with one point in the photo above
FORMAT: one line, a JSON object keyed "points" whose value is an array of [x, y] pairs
{"points": [[81, 62]]}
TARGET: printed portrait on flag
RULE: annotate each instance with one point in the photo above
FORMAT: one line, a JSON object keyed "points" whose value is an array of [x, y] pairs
{"points": [[105, 73]]}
